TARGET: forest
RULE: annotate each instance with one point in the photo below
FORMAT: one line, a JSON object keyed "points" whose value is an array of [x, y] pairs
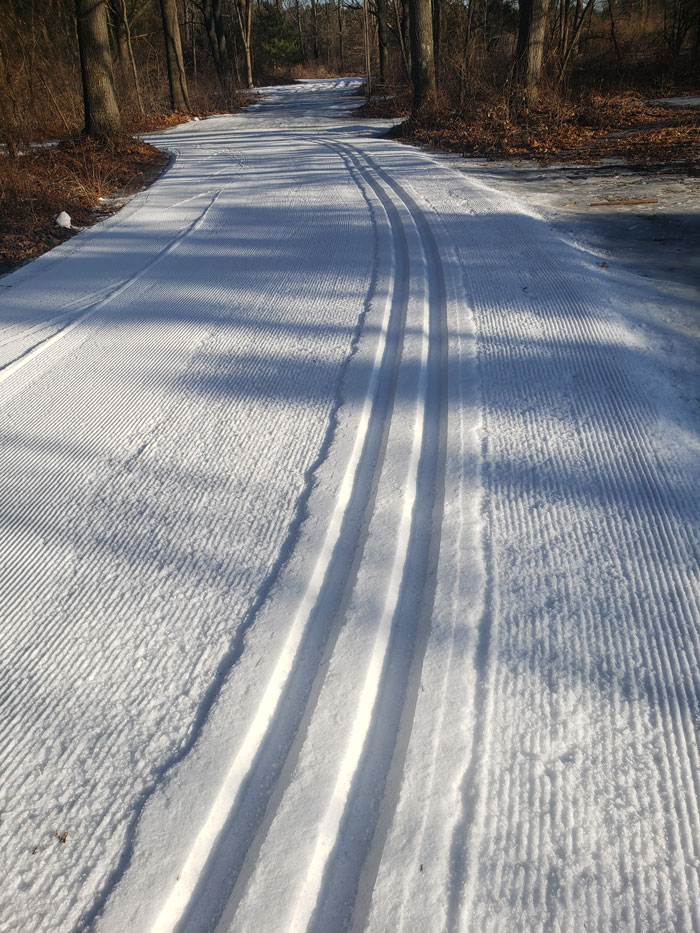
{"points": [[571, 78], [142, 57]]}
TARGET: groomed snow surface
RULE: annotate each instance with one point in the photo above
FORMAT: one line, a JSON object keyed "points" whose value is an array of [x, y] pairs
{"points": [[349, 556]]}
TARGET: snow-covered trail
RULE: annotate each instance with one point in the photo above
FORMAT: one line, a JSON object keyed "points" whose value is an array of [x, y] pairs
{"points": [[349, 557]]}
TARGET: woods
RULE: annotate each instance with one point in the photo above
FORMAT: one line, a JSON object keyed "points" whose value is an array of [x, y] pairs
{"points": [[103, 64]]}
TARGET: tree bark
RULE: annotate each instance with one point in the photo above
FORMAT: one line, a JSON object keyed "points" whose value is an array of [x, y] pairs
{"points": [[302, 47], [436, 37], [382, 39], [368, 63], [402, 44], [244, 13], [314, 29], [130, 53], [341, 36], [422, 60], [100, 102], [406, 33], [179, 99], [529, 53], [213, 23]]}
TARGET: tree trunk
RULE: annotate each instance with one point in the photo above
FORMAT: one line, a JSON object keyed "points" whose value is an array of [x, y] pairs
{"points": [[130, 52], [248, 63], [244, 14], [179, 99], [436, 38], [382, 39], [341, 37], [214, 26], [213, 44], [406, 33], [221, 45], [368, 63], [530, 49], [302, 48], [422, 60], [314, 27], [99, 99], [465, 78], [399, 33]]}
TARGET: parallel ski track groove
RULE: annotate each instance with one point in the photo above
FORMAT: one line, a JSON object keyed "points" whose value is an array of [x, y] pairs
{"points": [[369, 461], [285, 768], [432, 342], [381, 754]]}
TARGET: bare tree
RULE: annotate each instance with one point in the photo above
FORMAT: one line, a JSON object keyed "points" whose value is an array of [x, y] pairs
{"points": [[368, 57], [302, 47], [399, 30], [314, 25], [100, 102], [125, 46], [437, 29], [179, 99]]}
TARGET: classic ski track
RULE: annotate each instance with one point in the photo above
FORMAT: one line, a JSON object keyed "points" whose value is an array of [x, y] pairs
{"points": [[31, 353], [285, 734], [650, 632], [400, 209], [416, 551], [364, 458]]}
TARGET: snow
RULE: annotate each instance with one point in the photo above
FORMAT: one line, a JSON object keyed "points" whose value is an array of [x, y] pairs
{"points": [[350, 525], [687, 101], [63, 220]]}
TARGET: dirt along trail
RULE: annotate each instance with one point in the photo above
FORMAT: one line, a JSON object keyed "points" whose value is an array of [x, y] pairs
{"points": [[349, 556]]}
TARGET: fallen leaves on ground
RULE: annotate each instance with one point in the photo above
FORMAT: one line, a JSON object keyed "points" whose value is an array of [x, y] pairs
{"points": [[72, 176], [592, 128]]}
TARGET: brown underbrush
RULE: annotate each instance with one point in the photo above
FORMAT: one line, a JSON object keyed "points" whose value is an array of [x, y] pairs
{"points": [[587, 129], [72, 176], [36, 184]]}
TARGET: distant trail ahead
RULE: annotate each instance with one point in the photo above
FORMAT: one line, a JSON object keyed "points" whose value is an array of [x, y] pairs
{"points": [[350, 538]]}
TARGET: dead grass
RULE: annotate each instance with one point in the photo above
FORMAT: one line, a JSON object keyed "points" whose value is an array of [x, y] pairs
{"points": [[72, 177]]}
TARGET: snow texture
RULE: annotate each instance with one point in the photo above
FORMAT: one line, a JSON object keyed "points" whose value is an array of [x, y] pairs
{"points": [[349, 556]]}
